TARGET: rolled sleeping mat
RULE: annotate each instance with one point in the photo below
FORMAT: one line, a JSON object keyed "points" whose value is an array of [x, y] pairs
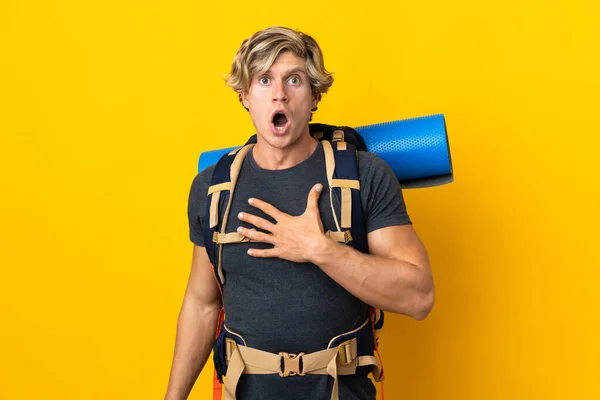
{"points": [[416, 149]]}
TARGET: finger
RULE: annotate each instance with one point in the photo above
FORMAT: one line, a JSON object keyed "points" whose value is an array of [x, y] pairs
{"points": [[313, 197], [266, 208], [263, 253], [255, 235], [256, 221]]}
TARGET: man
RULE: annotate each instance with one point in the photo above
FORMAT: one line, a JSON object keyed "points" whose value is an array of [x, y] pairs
{"points": [[293, 288]]}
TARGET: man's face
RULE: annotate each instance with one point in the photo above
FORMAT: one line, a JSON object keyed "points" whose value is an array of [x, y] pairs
{"points": [[280, 102]]}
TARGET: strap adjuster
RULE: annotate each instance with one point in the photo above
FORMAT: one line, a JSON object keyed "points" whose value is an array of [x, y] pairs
{"points": [[344, 354], [230, 346], [338, 136], [290, 364], [347, 236]]}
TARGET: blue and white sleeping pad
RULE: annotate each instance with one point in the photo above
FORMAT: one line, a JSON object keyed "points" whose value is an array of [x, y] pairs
{"points": [[417, 151]]}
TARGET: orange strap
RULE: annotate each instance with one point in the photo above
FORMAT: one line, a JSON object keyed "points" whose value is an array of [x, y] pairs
{"points": [[217, 387]]}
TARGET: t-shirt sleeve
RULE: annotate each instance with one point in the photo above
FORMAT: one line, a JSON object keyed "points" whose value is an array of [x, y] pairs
{"points": [[381, 194], [197, 205]]}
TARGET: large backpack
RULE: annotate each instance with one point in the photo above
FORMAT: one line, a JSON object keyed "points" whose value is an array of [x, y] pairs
{"points": [[341, 146]]}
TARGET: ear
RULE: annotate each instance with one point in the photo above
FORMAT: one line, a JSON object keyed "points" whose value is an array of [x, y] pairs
{"points": [[244, 99], [315, 101]]}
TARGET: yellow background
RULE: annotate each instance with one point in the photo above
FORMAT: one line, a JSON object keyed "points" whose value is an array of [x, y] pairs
{"points": [[105, 107]]}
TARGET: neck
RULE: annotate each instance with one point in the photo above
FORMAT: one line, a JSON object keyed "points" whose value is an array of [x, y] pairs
{"points": [[274, 158]]}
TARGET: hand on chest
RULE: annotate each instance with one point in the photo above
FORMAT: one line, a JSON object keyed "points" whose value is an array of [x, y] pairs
{"points": [[287, 194]]}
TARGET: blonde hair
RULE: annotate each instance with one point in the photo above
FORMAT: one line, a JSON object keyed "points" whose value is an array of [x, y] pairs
{"points": [[257, 53]]}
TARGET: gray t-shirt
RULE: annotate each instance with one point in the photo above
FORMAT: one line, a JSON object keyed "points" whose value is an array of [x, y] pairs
{"points": [[278, 305]]}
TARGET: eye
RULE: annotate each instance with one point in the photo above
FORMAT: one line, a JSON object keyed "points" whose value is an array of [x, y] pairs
{"points": [[294, 80], [264, 80]]}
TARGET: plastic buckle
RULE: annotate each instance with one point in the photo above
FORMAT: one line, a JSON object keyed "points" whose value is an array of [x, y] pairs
{"points": [[291, 364], [344, 355]]}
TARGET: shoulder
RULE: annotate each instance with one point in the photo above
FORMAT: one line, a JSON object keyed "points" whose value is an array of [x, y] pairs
{"points": [[196, 204], [365, 158], [203, 178], [371, 166], [381, 194], [200, 184]]}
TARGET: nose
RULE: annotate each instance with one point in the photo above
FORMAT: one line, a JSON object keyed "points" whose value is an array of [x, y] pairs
{"points": [[279, 93]]}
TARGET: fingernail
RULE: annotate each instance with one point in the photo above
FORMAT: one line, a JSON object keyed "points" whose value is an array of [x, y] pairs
{"points": [[319, 187], [241, 215], [250, 201], [239, 229], [249, 252]]}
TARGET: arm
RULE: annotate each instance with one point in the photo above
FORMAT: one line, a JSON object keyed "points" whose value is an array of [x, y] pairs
{"points": [[395, 276], [195, 328]]}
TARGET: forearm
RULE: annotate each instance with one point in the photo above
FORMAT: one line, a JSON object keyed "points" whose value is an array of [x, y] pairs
{"points": [[389, 284], [195, 334]]}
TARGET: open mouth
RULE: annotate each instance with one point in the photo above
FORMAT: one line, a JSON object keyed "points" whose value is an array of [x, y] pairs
{"points": [[280, 120]]}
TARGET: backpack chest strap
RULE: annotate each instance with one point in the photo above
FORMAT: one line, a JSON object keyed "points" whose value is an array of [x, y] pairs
{"points": [[342, 237], [231, 237]]}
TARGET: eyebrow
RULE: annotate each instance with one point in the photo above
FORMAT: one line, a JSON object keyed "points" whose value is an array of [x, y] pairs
{"points": [[294, 70], [291, 71]]}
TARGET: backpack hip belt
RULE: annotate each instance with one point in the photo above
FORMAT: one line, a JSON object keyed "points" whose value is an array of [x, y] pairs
{"points": [[342, 357]]}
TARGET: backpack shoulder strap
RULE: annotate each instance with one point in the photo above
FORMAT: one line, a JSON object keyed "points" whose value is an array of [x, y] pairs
{"points": [[218, 205], [341, 163]]}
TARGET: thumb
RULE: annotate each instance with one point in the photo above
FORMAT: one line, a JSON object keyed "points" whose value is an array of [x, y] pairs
{"points": [[313, 197]]}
